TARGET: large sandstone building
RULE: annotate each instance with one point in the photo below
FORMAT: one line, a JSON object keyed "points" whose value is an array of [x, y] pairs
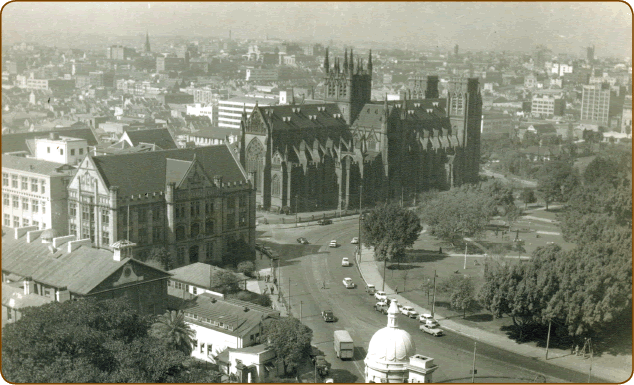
{"points": [[318, 156]]}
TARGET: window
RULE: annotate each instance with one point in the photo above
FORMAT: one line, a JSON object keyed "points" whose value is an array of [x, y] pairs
{"points": [[231, 221], [156, 214], [81, 151], [231, 202], [9, 311], [25, 204], [209, 252], [25, 183], [6, 201], [33, 185], [48, 150], [105, 238], [16, 221], [180, 255], [194, 290], [142, 236], [43, 186], [142, 215], [209, 207], [61, 151], [243, 201], [180, 233], [195, 230], [180, 211], [36, 223], [194, 209], [209, 227], [105, 217], [5, 179], [72, 152], [243, 219], [157, 234], [43, 207], [202, 347], [35, 206], [7, 220], [25, 222], [73, 229], [86, 213], [14, 181], [16, 202]]}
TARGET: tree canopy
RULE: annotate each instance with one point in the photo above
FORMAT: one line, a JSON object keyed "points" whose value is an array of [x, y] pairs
{"points": [[290, 339], [88, 341], [171, 327], [556, 180], [390, 229]]}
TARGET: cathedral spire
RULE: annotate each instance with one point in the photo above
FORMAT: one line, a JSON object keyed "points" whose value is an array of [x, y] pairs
{"points": [[147, 41], [326, 62], [345, 60], [370, 63], [351, 62]]}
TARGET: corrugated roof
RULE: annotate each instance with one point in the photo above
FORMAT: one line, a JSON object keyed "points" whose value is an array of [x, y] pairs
{"points": [[160, 136], [146, 172], [36, 166], [17, 142]]}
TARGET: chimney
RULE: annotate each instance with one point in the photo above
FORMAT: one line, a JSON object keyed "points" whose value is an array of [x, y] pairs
{"points": [[53, 136], [218, 180], [122, 250], [63, 294], [28, 283]]}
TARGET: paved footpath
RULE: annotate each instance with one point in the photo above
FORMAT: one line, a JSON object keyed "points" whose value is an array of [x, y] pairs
{"points": [[616, 369]]}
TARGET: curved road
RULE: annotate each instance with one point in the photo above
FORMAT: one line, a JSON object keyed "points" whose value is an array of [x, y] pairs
{"points": [[316, 276]]}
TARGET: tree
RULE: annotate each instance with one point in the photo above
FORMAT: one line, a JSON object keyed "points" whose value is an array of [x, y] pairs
{"points": [[459, 212], [86, 341], [501, 193], [160, 258], [555, 181], [246, 267], [511, 214], [171, 328], [238, 251], [461, 292], [290, 340], [390, 229], [528, 196], [225, 281]]}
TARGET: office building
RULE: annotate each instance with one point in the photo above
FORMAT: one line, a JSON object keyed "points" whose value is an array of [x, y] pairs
{"points": [[595, 104], [263, 74], [547, 106], [230, 111]]}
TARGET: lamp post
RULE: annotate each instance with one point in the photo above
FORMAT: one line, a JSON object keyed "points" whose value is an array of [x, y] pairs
{"points": [[360, 215], [296, 224], [433, 303]]}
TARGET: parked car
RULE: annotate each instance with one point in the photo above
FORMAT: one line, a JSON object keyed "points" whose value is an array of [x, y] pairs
{"points": [[302, 240], [328, 315], [333, 243], [435, 331], [347, 282], [370, 289], [355, 240], [381, 307], [432, 324], [424, 318], [380, 295], [409, 311], [324, 222], [345, 262]]}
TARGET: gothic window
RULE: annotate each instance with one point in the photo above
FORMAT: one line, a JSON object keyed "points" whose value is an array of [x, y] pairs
{"points": [[276, 184], [255, 160], [195, 230], [180, 233]]}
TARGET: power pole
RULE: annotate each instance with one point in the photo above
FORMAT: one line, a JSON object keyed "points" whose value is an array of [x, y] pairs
{"points": [[384, 264], [296, 224], [473, 369], [300, 311], [279, 279], [548, 339], [289, 296], [360, 215], [591, 356], [465, 256], [433, 303]]}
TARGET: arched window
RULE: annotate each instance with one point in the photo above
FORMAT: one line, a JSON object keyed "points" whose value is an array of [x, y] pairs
{"points": [[209, 226], [180, 233], [255, 160], [195, 229], [276, 184]]}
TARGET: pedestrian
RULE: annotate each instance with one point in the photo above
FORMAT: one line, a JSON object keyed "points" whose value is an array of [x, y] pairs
{"points": [[576, 350], [272, 290], [275, 281], [440, 250]]}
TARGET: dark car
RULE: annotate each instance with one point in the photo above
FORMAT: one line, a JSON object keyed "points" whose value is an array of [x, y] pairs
{"points": [[324, 222], [302, 240], [328, 315]]}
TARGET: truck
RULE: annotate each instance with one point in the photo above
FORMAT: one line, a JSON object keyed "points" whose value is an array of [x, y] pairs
{"points": [[344, 346]]}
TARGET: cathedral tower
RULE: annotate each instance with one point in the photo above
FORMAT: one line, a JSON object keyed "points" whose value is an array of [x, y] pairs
{"points": [[348, 85], [147, 42]]}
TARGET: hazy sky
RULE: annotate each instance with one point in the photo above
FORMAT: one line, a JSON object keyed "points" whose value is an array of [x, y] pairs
{"points": [[563, 27]]}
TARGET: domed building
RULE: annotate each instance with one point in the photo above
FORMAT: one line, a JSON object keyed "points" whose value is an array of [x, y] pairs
{"points": [[392, 355]]}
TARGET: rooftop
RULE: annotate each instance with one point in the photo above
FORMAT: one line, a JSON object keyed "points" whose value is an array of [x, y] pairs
{"points": [[17, 142], [36, 166], [198, 274]]}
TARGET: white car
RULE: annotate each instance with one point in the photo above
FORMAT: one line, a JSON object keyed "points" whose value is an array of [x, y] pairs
{"points": [[347, 282], [380, 296], [345, 262], [333, 243], [409, 311], [432, 324], [355, 240], [424, 318], [435, 331]]}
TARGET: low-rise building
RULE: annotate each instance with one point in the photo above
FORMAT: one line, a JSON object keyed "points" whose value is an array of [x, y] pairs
{"points": [[263, 74], [213, 136], [496, 124], [547, 106], [61, 149], [34, 193], [201, 110]]}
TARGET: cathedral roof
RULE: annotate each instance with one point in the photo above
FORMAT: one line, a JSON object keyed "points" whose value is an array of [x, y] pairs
{"points": [[305, 116]]}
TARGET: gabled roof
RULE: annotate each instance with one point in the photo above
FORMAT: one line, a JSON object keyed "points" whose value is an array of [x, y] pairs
{"points": [[80, 270], [17, 142], [160, 136], [146, 172], [36, 166], [299, 117], [198, 274]]}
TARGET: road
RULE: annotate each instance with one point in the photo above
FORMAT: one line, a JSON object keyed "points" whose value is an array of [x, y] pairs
{"points": [[316, 276]]}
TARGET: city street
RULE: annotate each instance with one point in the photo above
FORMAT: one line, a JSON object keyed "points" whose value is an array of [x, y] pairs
{"points": [[316, 276]]}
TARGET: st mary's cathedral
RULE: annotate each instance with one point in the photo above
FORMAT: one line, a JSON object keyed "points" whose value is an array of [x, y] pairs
{"points": [[328, 155]]}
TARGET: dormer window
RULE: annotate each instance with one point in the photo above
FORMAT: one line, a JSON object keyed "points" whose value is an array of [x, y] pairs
{"points": [[430, 110], [435, 104], [417, 105]]}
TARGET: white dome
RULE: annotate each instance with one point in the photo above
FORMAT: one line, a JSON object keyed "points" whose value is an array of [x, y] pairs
{"points": [[391, 345]]}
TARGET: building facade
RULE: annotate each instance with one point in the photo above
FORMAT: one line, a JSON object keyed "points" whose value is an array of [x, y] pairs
{"points": [[34, 193], [194, 202], [61, 149], [262, 74], [321, 155], [230, 111], [548, 106], [595, 104]]}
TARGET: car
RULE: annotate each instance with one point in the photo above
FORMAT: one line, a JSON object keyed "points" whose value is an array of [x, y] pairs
{"points": [[381, 307], [423, 318], [324, 222], [380, 295], [302, 240], [333, 243], [355, 240], [328, 315], [409, 311], [370, 289], [432, 324], [347, 282], [345, 262], [434, 331], [329, 381]]}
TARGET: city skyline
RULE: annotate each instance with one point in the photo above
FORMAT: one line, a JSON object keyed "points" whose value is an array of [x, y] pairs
{"points": [[482, 26]]}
